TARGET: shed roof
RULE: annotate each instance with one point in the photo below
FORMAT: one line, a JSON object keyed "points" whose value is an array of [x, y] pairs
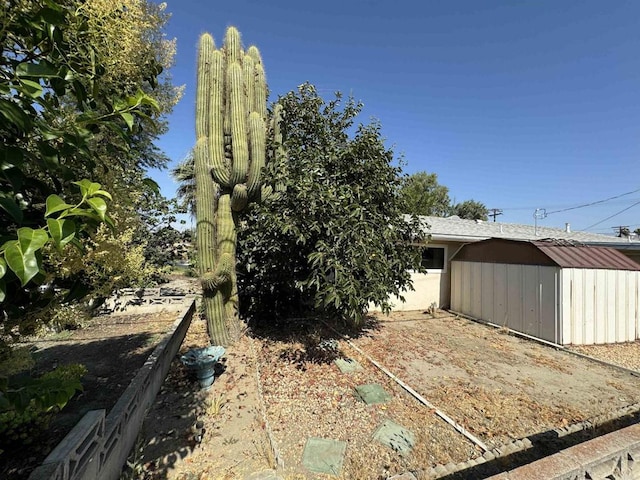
{"points": [[545, 252]]}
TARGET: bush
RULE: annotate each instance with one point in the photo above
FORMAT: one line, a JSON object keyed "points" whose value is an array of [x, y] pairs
{"points": [[27, 404]]}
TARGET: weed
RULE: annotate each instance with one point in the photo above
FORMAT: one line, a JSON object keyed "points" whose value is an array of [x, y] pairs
{"points": [[263, 449], [230, 441], [215, 404], [135, 463]]}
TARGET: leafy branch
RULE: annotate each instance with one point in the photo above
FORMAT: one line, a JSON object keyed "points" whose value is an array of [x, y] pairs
{"points": [[22, 254]]}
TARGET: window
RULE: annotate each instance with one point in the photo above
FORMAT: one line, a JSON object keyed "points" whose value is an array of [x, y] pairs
{"points": [[434, 259]]}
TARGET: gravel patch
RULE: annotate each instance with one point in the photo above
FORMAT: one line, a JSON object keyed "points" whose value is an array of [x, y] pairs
{"points": [[625, 355]]}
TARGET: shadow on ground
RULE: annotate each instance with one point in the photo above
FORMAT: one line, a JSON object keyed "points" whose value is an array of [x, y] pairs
{"points": [[310, 339], [172, 427]]}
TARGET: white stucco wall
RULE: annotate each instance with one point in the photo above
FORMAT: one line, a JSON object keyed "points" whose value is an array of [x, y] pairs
{"points": [[431, 287]]}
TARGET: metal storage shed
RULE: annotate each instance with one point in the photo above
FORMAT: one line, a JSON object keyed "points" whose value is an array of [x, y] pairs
{"points": [[550, 289]]}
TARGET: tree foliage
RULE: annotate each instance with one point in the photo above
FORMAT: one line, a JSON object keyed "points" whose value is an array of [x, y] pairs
{"points": [[82, 95], [335, 240], [163, 243], [423, 195], [184, 174], [471, 210]]}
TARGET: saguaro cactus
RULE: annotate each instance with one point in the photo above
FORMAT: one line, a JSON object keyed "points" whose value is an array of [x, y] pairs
{"points": [[230, 152]]}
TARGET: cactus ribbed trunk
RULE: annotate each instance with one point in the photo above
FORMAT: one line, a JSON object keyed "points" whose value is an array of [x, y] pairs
{"points": [[229, 155]]}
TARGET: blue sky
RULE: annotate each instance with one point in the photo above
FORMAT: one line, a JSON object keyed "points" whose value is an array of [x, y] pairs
{"points": [[517, 104]]}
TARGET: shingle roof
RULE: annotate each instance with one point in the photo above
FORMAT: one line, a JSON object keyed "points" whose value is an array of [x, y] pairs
{"points": [[454, 228]]}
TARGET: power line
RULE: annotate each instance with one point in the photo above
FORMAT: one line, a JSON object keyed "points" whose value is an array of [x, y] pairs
{"points": [[608, 229], [572, 207], [610, 217], [595, 203]]}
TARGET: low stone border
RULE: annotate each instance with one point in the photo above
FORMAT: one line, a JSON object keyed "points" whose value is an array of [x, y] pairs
{"points": [[613, 456], [146, 300], [98, 446]]}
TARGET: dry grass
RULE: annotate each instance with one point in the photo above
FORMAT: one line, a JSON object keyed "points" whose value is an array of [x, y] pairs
{"points": [[496, 415], [214, 404], [319, 400], [548, 362], [496, 386]]}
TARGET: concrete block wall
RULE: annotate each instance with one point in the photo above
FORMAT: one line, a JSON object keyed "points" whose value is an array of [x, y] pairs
{"points": [[615, 456], [98, 446]]}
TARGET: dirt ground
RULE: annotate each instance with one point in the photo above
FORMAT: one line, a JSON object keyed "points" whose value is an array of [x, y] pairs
{"points": [[279, 386], [505, 387], [279, 389]]}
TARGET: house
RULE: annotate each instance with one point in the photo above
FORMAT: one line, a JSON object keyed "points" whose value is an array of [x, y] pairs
{"points": [[450, 234], [556, 290]]}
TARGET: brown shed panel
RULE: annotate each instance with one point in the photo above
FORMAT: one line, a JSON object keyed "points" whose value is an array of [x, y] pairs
{"points": [[498, 250], [545, 253], [554, 290]]}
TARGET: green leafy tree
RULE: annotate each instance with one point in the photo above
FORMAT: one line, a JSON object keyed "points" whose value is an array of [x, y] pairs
{"points": [[334, 240], [184, 174], [160, 238], [471, 210], [81, 96], [423, 195]]}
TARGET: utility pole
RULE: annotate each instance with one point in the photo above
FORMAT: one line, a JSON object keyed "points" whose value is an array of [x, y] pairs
{"points": [[622, 230], [494, 213]]}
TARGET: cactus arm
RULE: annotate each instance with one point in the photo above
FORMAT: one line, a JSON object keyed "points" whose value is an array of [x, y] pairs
{"points": [[239, 197], [254, 53], [238, 113], [206, 203], [233, 45], [248, 76], [260, 91], [280, 152], [219, 164], [205, 49], [257, 149]]}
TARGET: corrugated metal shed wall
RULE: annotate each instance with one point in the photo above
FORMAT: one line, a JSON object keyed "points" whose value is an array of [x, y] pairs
{"points": [[576, 306], [522, 297], [599, 306], [571, 295]]}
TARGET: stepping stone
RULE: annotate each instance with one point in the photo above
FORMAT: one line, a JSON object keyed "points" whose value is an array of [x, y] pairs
{"points": [[264, 475], [347, 365], [372, 393], [395, 437], [323, 456]]}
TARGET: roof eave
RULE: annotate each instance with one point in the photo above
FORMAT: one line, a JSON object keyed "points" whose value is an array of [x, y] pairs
{"points": [[456, 238]]}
